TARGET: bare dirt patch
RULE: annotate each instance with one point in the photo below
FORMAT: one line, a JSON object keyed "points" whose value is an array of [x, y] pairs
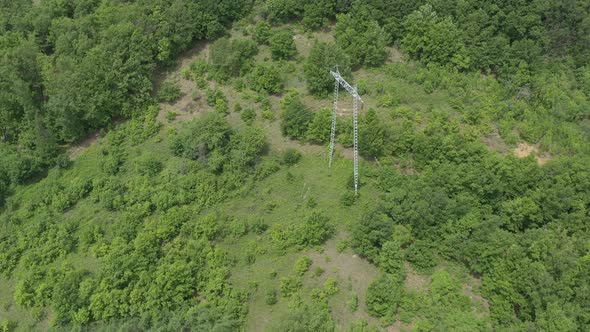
{"points": [[414, 280], [482, 304], [75, 150], [524, 150]]}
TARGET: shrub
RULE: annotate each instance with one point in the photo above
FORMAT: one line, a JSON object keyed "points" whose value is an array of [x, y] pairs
{"points": [[270, 297], [391, 260], [248, 116], [302, 265], [420, 255], [63, 161], [171, 116], [8, 325], [348, 198], [322, 58], [290, 285], [282, 46], [330, 286], [384, 296], [320, 127], [201, 136], [295, 118], [230, 58], [290, 157], [148, 165], [318, 271], [259, 226], [213, 96], [221, 106], [370, 233], [262, 32], [265, 78], [315, 230], [169, 92], [352, 302], [361, 38]]}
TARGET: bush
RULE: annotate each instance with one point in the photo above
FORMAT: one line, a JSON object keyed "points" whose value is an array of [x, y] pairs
{"points": [[63, 161], [266, 78], [201, 136], [213, 96], [230, 58], [262, 32], [315, 230], [384, 296], [270, 297], [282, 46], [290, 157], [330, 286], [320, 127], [295, 118], [171, 116], [148, 165], [352, 302], [322, 58], [8, 325], [370, 233], [348, 198], [290, 285], [169, 92], [221, 106], [391, 260], [317, 14], [361, 38], [420, 255], [318, 271], [259, 226], [302, 265], [248, 116]]}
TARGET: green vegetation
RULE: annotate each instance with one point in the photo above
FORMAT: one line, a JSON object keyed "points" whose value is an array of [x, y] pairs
{"points": [[147, 188]]}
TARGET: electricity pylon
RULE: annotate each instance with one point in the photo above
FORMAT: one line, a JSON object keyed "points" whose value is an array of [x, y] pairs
{"points": [[356, 98]]}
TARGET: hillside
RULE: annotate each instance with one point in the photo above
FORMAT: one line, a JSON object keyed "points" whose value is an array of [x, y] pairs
{"points": [[166, 169]]}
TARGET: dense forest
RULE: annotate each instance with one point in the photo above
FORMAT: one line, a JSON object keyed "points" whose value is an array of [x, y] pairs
{"points": [[163, 166]]}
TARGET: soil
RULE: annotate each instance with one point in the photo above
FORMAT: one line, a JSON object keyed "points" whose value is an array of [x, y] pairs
{"points": [[523, 150]]}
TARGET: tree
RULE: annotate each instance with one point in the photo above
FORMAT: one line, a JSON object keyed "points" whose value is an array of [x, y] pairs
{"points": [[361, 38], [229, 58], [202, 136], [169, 92], [320, 126], [266, 78], [282, 45], [315, 230], [295, 118], [370, 233], [283, 10], [434, 39], [384, 296], [246, 146], [371, 135], [322, 58], [262, 32], [391, 259], [317, 14]]}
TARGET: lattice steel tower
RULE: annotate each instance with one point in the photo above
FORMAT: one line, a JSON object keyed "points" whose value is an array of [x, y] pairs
{"points": [[356, 98]]}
